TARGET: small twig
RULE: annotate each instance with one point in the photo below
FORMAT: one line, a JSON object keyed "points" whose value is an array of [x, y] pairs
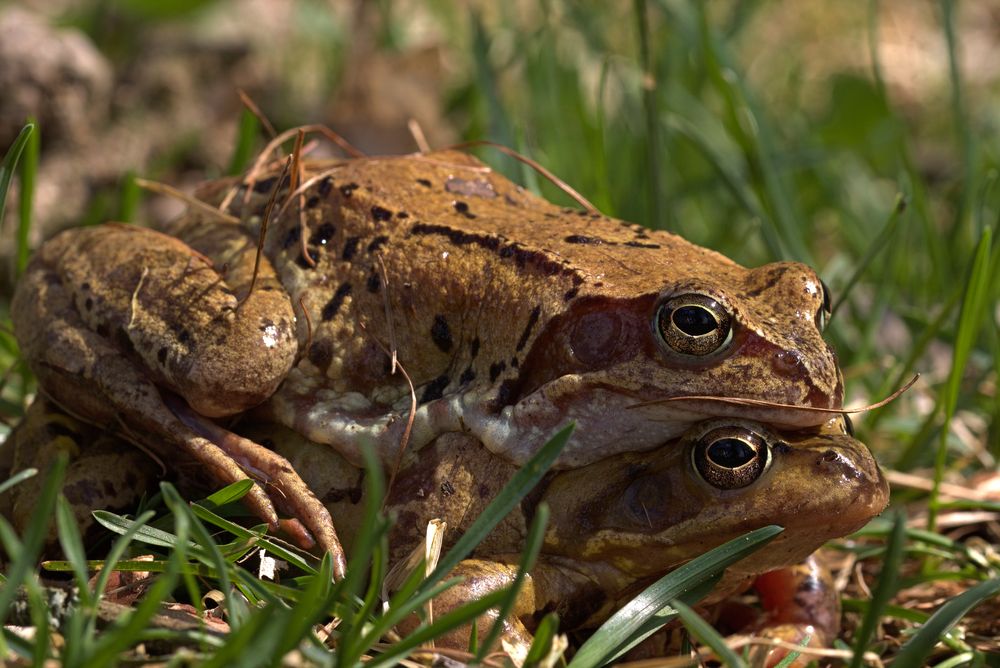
{"points": [[419, 138], [263, 231], [559, 183], [743, 401], [255, 110], [193, 202]]}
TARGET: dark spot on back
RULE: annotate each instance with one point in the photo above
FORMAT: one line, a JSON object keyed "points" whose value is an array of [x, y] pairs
{"points": [[88, 303], [301, 261], [350, 248], [320, 353], [264, 185], [323, 234], [496, 369], [474, 348], [460, 206], [85, 286], [312, 202], [184, 336], [639, 244], [380, 213], [325, 186], [424, 182], [292, 237], [161, 356], [569, 294], [506, 392], [434, 389], [377, 243], [348, 189], [467, 376], [374, 283], [336, 301], [441, 333], [582, 239], [402, 215], [532, 319], [513, 363]]}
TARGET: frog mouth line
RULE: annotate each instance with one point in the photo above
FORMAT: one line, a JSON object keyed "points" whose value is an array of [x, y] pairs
{"points": [[761, 403]]}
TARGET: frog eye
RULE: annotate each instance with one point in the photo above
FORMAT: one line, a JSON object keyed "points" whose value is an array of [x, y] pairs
{"points": [[826, 310], [730, 457], [694, 324]]}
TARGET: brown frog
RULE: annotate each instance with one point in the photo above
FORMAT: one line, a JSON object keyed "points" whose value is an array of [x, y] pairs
{"points": [[511, 316], [618, 524]]}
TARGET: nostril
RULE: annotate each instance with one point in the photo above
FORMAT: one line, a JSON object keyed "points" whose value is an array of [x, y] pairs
{"points": [[787, 362]]}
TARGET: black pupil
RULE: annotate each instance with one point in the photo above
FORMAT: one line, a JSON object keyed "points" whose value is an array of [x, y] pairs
{"points": [[694, 320], [730, 452]]}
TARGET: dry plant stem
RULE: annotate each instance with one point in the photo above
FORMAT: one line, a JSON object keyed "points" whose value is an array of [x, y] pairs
{"points": [[419, 138], [740, 401], [164, 189], [309, 324], [391, 351], [255, 110], [949, 491], [559, 183], [263, 231]]}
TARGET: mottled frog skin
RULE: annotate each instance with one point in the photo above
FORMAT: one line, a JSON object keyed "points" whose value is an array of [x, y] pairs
{"points": [[511, 315]]}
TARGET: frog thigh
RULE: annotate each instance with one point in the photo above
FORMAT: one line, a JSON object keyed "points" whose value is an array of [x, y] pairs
{"points": [[104, 472], [550, 586]]}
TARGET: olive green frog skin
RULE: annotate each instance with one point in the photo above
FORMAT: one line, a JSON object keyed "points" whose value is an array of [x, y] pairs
{"points": [[621, 523], [512, 316]]}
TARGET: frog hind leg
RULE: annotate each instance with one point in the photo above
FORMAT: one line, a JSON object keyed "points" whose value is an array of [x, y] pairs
{"points": [[92, 380]]}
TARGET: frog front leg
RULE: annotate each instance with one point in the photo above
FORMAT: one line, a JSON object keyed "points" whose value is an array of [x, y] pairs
{"points": [[119, 323]]}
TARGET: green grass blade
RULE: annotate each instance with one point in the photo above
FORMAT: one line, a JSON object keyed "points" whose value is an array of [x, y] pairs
{"points": [[541, 644], [118, 549], [919, 647], [978, 287], [877, 245], [128, 198], [885, 589], [532, 547], [17, 479], [126, 631], [520, 484], [209, 553], [23, 559], [246, 137], [649, 104], [28, 169], [706, 635], [72, 546], [9, 163], [442, 625], [628, 626]]}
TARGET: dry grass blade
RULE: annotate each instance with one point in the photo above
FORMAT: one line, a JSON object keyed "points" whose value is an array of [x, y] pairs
{"points": [[743, 401], [193, 202], [559, 183]]}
